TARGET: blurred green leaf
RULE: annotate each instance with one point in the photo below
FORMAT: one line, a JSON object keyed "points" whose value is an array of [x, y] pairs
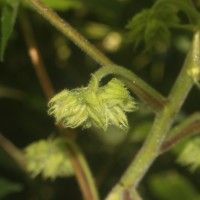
{"points": [[151, 28], [172, 186], [105, 9], [8, 19], [11, 93], [8, 187], [190, 155]]}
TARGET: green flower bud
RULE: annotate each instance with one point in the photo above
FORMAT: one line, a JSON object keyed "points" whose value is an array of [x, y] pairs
{"points": [[93, 105], [115, 93], [49, 158]]}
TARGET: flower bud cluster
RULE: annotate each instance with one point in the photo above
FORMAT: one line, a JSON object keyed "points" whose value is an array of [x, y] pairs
{"points": [[93, 105], [49, 158]]}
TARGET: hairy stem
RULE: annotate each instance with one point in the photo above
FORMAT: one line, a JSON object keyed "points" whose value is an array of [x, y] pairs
{"points": [[187, 128], [142, 90], [160, 128]]}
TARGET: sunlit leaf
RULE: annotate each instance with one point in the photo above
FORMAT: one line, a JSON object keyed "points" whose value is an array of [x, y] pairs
{"points": [[8, 19], [8, 187]]}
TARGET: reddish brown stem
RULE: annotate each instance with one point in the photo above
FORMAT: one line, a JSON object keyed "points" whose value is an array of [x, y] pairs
{"points": [[81, 177], [81, 174], [192, 129], [36, 59]]}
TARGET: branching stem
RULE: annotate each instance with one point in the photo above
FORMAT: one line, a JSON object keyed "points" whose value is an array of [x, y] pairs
{"points": [[187, 128], [136, 84], [159, 130]]}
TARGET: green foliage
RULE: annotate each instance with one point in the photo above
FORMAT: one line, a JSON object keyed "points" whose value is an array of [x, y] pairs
{"points": [[172, 186], [8, 18], [8, 187], [10, 93], [190, 154], [151, 27], [49, 158]]}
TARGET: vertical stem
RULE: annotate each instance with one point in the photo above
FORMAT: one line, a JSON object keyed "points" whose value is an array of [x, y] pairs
{"points": [[36, 59], [82, 172], [160, 128]]}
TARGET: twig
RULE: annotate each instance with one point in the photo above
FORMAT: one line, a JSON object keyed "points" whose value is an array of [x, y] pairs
{"points": [[83, 173], [187, 128], [162, 124], [81, 167], [34, 54], [12, 150]]}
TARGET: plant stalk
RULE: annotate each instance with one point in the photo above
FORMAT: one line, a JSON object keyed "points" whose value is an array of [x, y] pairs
{"points": [[160, 128], [83, 175], [34, 54], [187, 128]]}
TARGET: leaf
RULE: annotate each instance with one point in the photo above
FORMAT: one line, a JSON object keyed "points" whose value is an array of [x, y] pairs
{"points": [[8, 19], [8, 187], [190, 155], [172, 186], [11, 93]]}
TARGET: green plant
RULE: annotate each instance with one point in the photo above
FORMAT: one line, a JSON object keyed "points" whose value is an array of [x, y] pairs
{"points": [[103, 103]]}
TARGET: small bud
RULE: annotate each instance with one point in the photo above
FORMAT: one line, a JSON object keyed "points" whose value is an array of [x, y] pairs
{"points": [[93, 105], [49, 158]]}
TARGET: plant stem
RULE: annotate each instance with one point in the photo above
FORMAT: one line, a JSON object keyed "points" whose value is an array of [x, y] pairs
{"points": [[90, 193], [15, 153], [187, 128], [70, 32], [160, 128], [34, 54], [138, 87], [81, 167], [136, 84]]}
